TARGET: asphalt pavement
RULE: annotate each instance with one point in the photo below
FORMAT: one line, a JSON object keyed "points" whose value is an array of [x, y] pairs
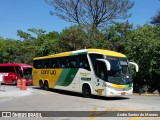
{"points": [[13, 91], [34, 99]]}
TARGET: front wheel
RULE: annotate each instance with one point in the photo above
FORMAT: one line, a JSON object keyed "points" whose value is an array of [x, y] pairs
{"points": [[86, 91]]}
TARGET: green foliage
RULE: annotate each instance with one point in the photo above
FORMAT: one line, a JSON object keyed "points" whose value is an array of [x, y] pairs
{"points": [[24, 35], [28, 47], [38, 32], [144, 48], [117, 35], [47, 44], [73, 38], [97, 39]]}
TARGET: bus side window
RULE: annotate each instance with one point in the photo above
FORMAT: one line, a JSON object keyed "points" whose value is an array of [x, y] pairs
{"points": [[81, 65], [45, 63], [71, 62], [63, 66], [40, 64], [83, 62], [48, 63], [7, 69], [62, 62], [86, 65], [93, 58], [37, 64], [54, 63], [19, 72], [101, 70]]}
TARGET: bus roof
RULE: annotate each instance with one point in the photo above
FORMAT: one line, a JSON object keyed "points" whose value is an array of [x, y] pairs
{"points": [[84, 51], [15, 64]]}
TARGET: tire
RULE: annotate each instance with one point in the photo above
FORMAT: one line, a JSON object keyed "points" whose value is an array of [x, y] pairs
{"points": [[41, 85], [46, 86], [86, 91], [13, 82]]}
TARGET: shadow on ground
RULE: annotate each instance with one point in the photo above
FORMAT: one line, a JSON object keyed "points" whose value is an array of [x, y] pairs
{"points": [[69, 93]]}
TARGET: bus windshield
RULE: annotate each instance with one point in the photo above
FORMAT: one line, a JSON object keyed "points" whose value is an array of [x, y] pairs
{"points": [[27, 72], [120, 72]]}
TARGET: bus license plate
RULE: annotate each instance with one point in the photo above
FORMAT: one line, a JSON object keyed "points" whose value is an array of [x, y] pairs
{"points": [[123, 93]]}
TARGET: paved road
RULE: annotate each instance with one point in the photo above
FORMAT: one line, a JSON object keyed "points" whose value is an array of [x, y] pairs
{"points": [[34, 99]]}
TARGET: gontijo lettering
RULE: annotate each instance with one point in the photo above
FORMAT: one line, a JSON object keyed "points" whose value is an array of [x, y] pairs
{"points": [[52, 72]]}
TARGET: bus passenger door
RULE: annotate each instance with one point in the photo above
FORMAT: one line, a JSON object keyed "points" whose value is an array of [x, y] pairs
{"points": [[101, 74]]}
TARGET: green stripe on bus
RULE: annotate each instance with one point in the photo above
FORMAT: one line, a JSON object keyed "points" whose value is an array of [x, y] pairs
{"points": [[79, 53], [63, 76], [71, 75]]}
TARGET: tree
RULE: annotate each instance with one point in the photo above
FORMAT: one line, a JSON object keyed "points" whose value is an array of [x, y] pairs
{"points": [[28, 36], [2, 50], [24, 35], [73, 38], [143, 47], [38, 32], [116, 34], [156, 19], [46, 44], [97, 39], [93, 13]]}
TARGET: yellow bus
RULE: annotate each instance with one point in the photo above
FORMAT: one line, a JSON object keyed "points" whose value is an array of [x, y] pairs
{"points": [[88, 71]]}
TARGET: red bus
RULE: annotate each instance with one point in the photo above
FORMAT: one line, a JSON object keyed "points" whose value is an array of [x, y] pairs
{"points": [[14, 71]]}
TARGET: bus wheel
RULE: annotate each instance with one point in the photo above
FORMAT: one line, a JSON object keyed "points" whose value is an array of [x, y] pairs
{"points": [[41, 85], [46, 87], [86, 91]]}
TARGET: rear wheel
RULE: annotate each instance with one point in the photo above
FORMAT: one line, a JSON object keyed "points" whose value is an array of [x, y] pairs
{"points": [[86, 91], [46, 86], [41, 85]]}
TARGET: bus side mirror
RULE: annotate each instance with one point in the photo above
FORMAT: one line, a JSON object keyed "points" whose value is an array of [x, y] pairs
{"points": [[107, 63], [135, 64]]}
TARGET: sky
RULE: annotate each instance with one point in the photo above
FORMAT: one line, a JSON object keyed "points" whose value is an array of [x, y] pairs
{"points": [[24, 14]]}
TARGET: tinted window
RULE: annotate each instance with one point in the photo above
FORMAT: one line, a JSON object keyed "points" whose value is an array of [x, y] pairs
{"points": [[83, 62], [27, 72], [54, 63], [46, 63], [93, 58], [63, 62], [19, 72], [115, 66], [7, 69], [101, 70], [39, 64], [71, 62]]}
